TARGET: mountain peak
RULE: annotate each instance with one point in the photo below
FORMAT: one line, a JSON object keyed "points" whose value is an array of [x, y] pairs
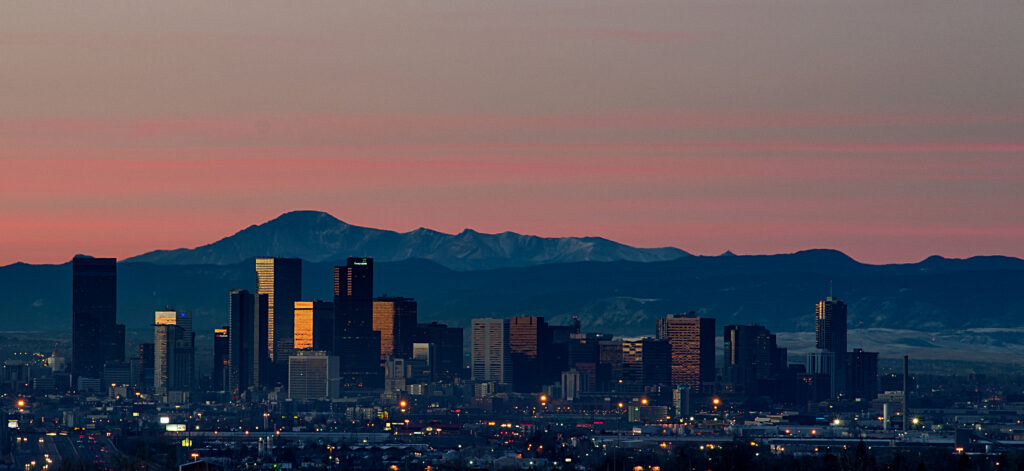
{"points": [[317, 236], [306, 217]]}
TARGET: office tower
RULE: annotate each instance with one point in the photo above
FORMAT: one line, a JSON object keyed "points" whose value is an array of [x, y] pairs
{"points": [[693, 348], [314, 325], [610, 366], [830, 336], [448, 342], [830, 325], [173, 353], [529, 343], [312, 376], [862, 374], [749, 354], [356, 344], [646, 362], [281, 280], [248, 354], [221, 356], [146, 360], [395, 319], [95, 335], [490, 354]]}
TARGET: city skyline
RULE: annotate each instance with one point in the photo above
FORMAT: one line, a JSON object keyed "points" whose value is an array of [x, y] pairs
{"points": [[692, 124]]}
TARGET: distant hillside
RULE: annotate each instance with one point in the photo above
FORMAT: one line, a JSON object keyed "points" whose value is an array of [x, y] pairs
{"points": [[317, 236], [778, 291]]}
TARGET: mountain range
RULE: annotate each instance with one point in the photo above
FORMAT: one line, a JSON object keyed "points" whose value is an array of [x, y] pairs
{"points": [[508, 274], [317, 237]]}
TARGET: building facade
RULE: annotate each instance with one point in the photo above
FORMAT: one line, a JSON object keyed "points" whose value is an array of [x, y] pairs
{"points": [[96, 337], [280, 279], [395, 319], [693, 348], [490, 353]]}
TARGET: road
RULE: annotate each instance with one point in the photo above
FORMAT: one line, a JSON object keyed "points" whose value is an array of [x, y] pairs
{"points": [[38, 452]]}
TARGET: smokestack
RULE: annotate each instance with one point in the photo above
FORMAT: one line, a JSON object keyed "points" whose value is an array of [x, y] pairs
{"points": [[906, 388]]}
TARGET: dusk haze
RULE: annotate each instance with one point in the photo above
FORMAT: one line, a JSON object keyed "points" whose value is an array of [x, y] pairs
{"points": [[891, 132]]}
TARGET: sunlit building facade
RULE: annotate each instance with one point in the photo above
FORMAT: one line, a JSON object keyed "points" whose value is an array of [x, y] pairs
{"points": [[314, 325], [395, 319], [281, 280], [693, 348]]}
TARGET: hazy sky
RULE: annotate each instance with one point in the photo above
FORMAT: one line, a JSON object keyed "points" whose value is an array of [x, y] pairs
{"points": [[891, 130]]}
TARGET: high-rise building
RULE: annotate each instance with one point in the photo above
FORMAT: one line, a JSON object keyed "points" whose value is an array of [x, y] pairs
{"points": [[830, 325], [146, 360], [356, 344], [281, 280], [490, 354], [693, 348], [221, 356], [312, 376], [249, 359], [173, 353], [862, 374], [314, 325], [529, 344], [395, 319], [610, 363], [96, 337], [646, 362], [749, 356], [448, 342], [830, 337]]}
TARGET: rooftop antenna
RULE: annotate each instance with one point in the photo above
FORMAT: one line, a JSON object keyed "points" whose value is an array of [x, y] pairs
{"points": [[830, 289]]}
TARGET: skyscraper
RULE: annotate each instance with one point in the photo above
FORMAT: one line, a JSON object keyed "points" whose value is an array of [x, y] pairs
{"points": [[693, 348], [490, 355], [448, 343], [95, 335], [646, 362], [281, 280], [529, 339], [173, 353], [830, 337], [314, 325], [862, 376], [830, 325], [395, 319], [248, 356], [749, 356], [356, 344], [221, 356]]}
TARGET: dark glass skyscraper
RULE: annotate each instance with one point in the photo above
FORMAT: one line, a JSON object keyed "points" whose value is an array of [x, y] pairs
{"points": [[750, 354], [281, 280], [95, 335], [529, 340], [830, 336], [221, 356], [355, 342], [249, 359], [830, 325], [448, 349]]}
